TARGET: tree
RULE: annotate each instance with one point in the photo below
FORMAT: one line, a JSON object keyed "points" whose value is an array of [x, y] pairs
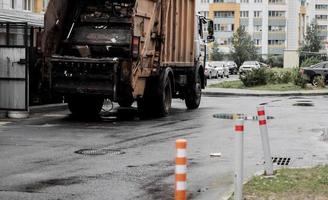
{"points": [[312, 42], [215, 53], [243, 47]]}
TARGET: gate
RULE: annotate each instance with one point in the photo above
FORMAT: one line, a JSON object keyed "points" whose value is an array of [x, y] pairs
{"points": [[14, 66]]}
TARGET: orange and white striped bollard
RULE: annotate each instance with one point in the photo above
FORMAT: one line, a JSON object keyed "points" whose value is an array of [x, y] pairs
{"points": [[181, 170], [265, 140]]}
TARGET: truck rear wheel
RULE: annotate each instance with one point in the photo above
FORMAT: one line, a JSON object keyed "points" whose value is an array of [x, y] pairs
{"points": [[157, 98], [194, 93], [85, 106], [164, 98]]}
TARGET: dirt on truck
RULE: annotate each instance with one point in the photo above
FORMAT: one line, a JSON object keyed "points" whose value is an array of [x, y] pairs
{"points": [[147, 51]]}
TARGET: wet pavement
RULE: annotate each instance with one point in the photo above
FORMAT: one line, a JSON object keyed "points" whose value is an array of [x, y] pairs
{"points": [[53, 156]]}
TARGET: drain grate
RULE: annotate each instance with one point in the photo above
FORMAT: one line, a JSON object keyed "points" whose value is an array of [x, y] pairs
{"points": [[99, 152], [281, 161]]}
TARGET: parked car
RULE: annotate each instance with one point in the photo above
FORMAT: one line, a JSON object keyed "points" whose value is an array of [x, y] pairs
{"points": [[233, 68], [211, 71], [320, 69], [222, 68], [248, 66], [264, 65]]}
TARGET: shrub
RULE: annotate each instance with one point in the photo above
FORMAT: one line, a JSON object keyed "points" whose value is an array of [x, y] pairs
{"points": [[285, 77], [272, 76], [298, 78], [310, 61], [255, 77]]}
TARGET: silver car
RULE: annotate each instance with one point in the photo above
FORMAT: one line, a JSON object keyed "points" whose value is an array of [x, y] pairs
{"points": [[249, 66], [222, 68], [210, 71]]}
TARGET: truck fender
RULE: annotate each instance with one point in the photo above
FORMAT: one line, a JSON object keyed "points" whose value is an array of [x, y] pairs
{"points": [[168, 73]]}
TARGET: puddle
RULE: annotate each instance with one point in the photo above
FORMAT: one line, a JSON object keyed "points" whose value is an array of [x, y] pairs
{"points": [[303, 104], [99, 152]]}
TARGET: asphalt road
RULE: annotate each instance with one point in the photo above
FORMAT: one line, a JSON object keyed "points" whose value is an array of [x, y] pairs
{"points": [[39, 156]]}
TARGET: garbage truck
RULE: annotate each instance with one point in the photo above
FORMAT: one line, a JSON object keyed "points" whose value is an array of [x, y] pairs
{"points": [[146, 51]]}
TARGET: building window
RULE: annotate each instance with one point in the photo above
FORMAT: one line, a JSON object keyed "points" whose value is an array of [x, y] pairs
{"points": [[321, 6], [13, 4], [277, 1], [224, 27], [258, 28], [273, 13], [277, 28], [257, 14], [28, 5], [322, 17], [224, 14], [257, 42], [276, 42], [244, 14]]}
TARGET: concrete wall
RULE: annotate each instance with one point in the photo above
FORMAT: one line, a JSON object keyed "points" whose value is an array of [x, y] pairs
{"points": [[291, 59]]}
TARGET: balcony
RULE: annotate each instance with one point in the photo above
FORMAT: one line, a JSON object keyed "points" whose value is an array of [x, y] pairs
{"points": [[11, 15]]}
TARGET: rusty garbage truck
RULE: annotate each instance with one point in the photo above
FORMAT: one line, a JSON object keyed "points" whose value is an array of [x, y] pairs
{"points": [[147, 51]]}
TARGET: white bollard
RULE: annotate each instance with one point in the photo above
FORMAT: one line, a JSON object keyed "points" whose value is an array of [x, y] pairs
{"points": [[265, 140], [239, 159]]}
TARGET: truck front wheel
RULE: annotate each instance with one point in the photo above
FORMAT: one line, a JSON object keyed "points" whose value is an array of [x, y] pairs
{"points": [[85, 106], [194, 93]]}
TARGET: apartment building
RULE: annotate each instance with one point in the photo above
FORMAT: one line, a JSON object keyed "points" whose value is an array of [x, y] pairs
{"points": [[30, 11], [276, 26], [318, 10]]}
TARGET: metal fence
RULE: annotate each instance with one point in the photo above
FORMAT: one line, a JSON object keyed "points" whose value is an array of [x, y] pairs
{"points": [[17, 41]]}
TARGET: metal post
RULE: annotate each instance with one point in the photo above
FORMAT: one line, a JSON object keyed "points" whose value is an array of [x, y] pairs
{"points": [[239, 159], [181, 170], [265, 140]]}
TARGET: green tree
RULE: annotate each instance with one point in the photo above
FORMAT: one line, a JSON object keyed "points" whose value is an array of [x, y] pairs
{"points": [[243, 47], [312, 42], [215, 52]]}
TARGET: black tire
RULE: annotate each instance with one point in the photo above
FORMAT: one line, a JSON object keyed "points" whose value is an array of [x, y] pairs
{"points": [[194, 94], [157, 98], [125, 102], [314, 81], [85, 106], [164, 98]]}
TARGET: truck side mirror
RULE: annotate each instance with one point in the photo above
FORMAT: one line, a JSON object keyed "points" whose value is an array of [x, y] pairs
{"points": [[210, 30]]}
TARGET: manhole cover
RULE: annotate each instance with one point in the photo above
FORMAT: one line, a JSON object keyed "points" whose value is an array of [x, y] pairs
{"points": [[99, 152], [281, 161]]}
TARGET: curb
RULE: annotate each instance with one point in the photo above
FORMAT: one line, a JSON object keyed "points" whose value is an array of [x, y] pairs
{"points": [[220, 94], [48, 108]]}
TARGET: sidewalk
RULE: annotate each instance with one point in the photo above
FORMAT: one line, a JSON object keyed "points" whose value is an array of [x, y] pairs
{"points": [[213, 92]]}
